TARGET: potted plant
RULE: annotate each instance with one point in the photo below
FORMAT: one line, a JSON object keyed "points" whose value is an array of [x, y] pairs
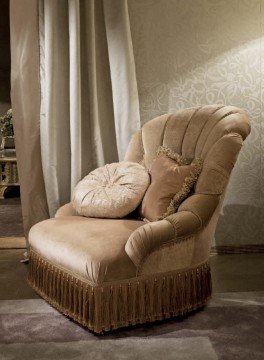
{"points": [[7, 130]]}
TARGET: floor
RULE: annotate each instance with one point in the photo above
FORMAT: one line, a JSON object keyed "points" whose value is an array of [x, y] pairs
{"points": [[10, 218], [230, 327]]}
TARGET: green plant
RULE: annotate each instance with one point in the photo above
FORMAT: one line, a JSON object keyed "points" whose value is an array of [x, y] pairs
{"points": [[6, 124]]}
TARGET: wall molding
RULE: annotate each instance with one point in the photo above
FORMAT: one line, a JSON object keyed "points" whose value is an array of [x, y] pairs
{"points": [[237, 249]]}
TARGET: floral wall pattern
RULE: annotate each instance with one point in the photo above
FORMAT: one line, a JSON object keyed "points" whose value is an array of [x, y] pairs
{"points": [[195, 52]]}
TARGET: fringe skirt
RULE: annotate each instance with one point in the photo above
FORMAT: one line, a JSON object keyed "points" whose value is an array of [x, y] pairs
{"points": [[123, 303]]}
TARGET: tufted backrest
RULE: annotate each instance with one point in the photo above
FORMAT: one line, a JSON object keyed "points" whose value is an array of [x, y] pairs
{"points": [[214, 133]]}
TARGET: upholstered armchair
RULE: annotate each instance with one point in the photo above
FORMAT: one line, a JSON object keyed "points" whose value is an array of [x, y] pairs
{"points": [[112, 273]]}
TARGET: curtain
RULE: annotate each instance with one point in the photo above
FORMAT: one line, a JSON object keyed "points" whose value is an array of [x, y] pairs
{"points": [[74, 95], [25, 98]]}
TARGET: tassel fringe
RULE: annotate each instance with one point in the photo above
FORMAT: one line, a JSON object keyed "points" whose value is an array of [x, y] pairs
{"points": [[120, 304], [189, 181]]}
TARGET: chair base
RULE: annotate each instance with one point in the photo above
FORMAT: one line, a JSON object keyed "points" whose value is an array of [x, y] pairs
{"points": [[122, 303]]}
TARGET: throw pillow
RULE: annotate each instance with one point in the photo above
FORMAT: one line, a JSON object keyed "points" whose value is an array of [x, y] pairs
{"points": [[111, 191], [172, 179]]}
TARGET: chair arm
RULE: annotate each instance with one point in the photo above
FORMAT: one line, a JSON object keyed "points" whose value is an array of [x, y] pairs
{"points": [[66, 210], [192, 216]]}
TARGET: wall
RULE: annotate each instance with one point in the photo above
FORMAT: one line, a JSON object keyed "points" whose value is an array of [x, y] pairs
{"points": [[193, 52], [4, 57]]}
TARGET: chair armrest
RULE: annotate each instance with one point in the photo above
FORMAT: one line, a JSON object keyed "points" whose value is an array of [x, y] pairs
{"points": [[192, 216], [66, 210]]}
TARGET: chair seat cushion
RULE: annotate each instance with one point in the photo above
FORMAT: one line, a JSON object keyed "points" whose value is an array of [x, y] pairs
{"points": [[111, 191], [91, 249]]}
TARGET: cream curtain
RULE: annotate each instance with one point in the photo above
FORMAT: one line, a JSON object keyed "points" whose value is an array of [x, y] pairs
{"points": [[74, 95], [25, 98]]}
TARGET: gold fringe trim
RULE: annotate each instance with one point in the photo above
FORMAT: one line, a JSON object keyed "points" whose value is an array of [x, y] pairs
{"points": [[120, 304], [179, 159], [188, 182]]}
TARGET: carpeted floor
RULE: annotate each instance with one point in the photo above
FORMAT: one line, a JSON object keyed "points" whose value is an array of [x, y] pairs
{"points": [[11, 221], [11, 226], [229, 328]]}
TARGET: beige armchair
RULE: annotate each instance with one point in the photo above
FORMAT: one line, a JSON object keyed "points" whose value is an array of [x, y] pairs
{"points": [[107, 273]]}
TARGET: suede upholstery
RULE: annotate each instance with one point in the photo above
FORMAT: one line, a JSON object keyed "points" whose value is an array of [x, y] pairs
{"points": [[214, 133], [78, 244], [118, 257], [66, 210], [167, 180]]}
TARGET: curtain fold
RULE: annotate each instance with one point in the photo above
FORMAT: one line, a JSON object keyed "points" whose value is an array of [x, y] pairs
{"points": [[84, 93], [123, 72], [25, 98], [55, 106]]}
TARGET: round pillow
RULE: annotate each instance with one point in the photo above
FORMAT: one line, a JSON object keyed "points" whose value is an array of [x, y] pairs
{"points": [[111, 191]]}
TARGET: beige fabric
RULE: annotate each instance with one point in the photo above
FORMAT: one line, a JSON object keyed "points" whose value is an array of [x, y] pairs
{"points": [[218, 164], [173, 256], [89, 103], [201, 205], [25, 95], [172, 179], [89, 91], [135, 150], [214, 133], [123, 72], [93, 249], [66, 210], [147, 266], [175, 228], [148, 238], [111, 191], [163, 130], [182, 239], [77, 117], [188, 249]]}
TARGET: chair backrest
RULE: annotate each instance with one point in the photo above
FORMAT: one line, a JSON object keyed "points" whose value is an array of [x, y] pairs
{"points": [[214, 133]]}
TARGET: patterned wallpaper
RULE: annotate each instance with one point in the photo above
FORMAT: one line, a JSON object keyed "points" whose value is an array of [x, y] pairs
{"points": [[193, 52]]}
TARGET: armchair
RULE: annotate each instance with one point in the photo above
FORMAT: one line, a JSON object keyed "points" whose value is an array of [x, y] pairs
{"points": [[111, 273]]}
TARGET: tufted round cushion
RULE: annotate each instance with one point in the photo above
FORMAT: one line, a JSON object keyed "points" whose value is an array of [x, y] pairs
{"points": [[111, 191]]}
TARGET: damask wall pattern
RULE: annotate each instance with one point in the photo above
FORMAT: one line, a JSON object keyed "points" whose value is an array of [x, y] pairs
{"points": [[197, 52]]}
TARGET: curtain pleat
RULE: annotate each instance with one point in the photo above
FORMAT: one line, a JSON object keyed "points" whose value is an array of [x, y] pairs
{"points": [[85, 102], [25, 97], [77, 121], [75, 91], [55, 109], [123, 72]]}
